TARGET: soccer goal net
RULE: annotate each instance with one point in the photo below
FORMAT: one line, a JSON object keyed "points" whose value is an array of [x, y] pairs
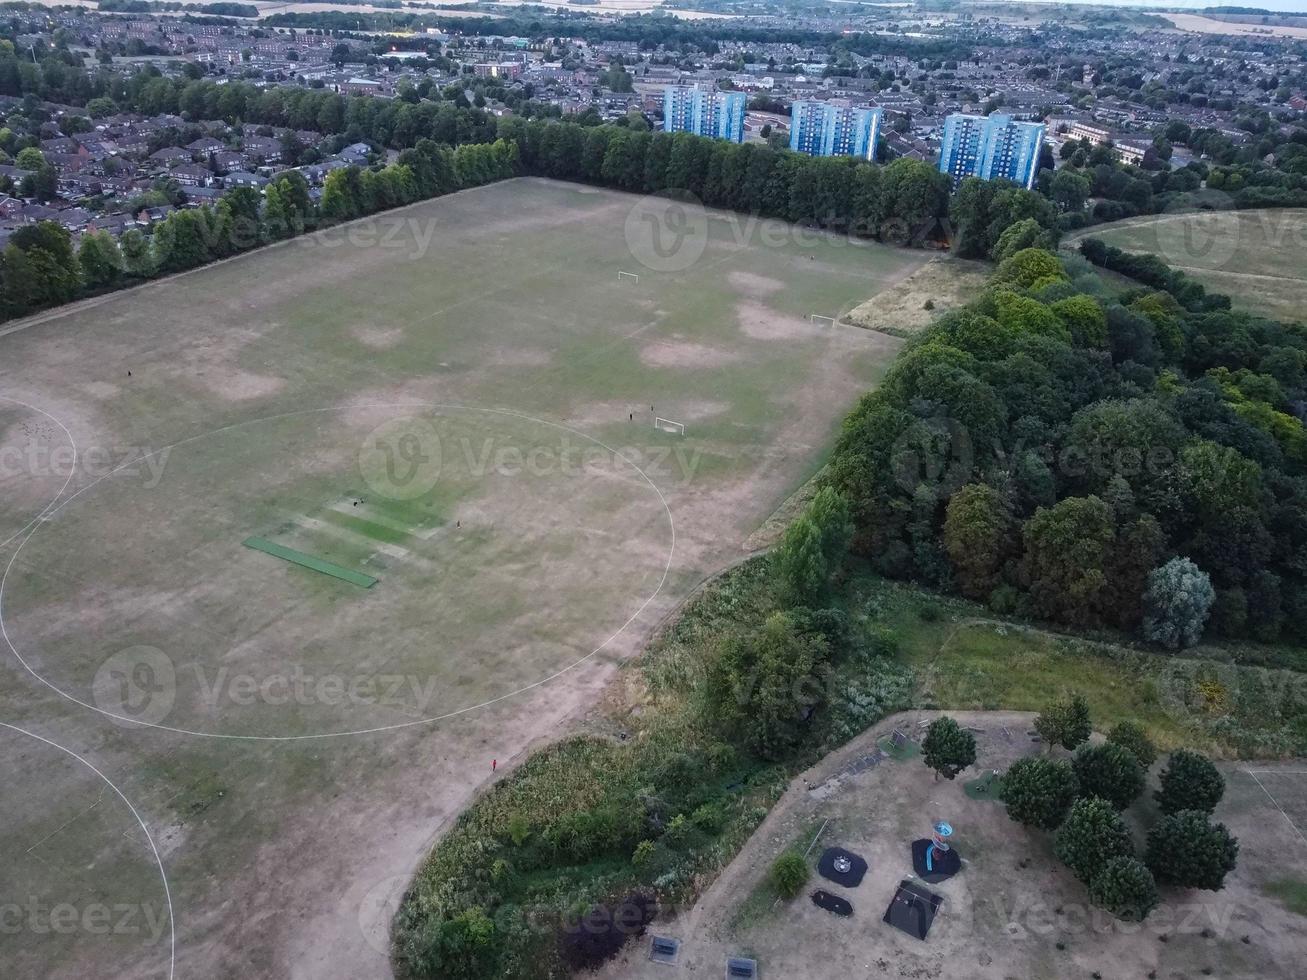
{"points": [[667, 425], [627, 275], [821, 321]]}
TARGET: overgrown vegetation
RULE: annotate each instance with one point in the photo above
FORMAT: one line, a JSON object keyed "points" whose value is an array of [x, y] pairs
{"points": [[590, 821]]}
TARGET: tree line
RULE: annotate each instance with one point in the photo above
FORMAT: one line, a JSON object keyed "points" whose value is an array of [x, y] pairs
{"points": [[40, 267], [902, 202]]}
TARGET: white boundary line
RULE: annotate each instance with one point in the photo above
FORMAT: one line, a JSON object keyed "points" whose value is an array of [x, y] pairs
{"points": [[52, 509], [72, 470], [167, 892], [1287, 772]]}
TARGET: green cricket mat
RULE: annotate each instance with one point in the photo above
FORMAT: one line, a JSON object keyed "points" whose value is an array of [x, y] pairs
{"points": [[308, 561]]}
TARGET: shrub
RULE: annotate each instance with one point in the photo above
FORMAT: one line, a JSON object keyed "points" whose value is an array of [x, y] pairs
{"points": [[789, 873], [1028, 266], [947, 748], [1131, 735], [1039, 792], [882, 641], [1190, 782], [1176, 606], [1185, 849], [764, 685], [1110, 772], [602, 932], [1065, 722], [460, 946], [1092, 834], [1126, 888]]}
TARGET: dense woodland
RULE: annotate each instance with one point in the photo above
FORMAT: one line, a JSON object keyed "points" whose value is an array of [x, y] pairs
{"points": [[1051, 448]]}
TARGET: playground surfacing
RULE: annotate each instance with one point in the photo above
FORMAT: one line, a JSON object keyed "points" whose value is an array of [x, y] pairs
{"points": [[1013, 909]]}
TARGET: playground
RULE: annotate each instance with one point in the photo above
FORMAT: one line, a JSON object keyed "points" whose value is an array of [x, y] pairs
{"points": [[1013, 909]]}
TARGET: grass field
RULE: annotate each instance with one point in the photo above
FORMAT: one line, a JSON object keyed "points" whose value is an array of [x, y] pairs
{"points": [[455, 399], [1255, 257]]}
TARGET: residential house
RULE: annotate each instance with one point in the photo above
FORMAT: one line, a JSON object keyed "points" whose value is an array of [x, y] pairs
{"points": [[170, 156]]}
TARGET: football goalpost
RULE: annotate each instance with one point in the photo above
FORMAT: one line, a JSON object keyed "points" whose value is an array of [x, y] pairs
{"points": [[667, 425], [821, 321], [627, 275]]}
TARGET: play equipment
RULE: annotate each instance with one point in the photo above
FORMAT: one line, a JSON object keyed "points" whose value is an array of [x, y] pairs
{"points": [[938, 843], [832, 903], [842, 867], [933, 858], [912, 909]]}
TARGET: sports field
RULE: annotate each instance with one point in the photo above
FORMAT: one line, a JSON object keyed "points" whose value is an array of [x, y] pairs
{"points": [[297, 548], [1254, 257]]}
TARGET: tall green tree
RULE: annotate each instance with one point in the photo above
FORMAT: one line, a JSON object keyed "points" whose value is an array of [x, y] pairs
{"points": [[979, 538]]}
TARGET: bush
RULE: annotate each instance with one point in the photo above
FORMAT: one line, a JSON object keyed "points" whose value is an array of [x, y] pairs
{"points": [[460, 946], [1109, 771], [1190, 782], [602, 932], [947, 748], [1185, 849], [882, 641], [789, 874], [764, 685], [1092, 834], [1176, 606], [1065, 722], [1039, 792], [1131, 735], [1126, 888]]}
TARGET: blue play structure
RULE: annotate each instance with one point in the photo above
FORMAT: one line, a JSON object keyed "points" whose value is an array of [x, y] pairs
{"points": [[943, 831]]}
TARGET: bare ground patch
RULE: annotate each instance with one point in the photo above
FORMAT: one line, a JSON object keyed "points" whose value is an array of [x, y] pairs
{"points": [[685, 354], [754, 285], [761, 322], [379, 338], [901, 310]]}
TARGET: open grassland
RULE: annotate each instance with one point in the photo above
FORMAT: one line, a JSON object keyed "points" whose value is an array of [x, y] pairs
{"points": [[1254, 257], [456, 399]]}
